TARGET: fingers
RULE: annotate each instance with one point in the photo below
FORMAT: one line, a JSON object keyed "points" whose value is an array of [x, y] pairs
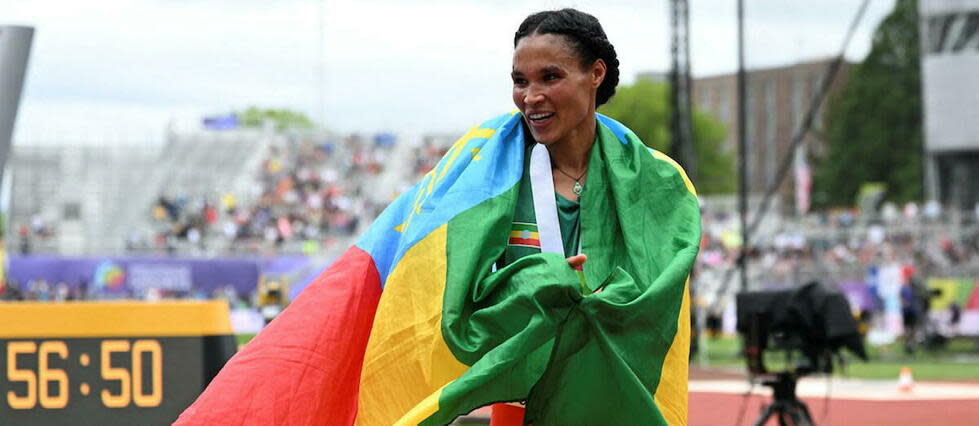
{"points": [[577, 260]]}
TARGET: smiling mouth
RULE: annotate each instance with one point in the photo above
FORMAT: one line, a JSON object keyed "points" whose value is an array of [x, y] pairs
{"points": [[539, 117]]}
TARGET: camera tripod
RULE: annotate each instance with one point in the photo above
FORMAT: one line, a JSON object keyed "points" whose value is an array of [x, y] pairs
{"points": [[790, 411]]}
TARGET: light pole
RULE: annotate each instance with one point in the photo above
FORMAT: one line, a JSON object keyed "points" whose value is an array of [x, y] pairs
{"points": [[742, 152]]}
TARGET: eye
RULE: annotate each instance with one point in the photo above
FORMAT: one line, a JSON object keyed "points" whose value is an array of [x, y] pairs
{"points": [[519, 81], [551, 76]]}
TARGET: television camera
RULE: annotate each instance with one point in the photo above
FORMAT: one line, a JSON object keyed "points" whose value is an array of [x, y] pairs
{"points": [[808, 325]]}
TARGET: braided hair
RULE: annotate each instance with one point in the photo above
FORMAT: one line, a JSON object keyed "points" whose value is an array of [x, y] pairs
{"points": [[586, 38]]}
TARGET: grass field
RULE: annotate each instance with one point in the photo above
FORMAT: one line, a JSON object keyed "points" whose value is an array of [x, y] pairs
{"points": [[243, 338], [959, 360]]}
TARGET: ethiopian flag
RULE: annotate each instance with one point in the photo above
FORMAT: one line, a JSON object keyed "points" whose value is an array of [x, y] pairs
{"points": [[524, 235], [413, 325]]}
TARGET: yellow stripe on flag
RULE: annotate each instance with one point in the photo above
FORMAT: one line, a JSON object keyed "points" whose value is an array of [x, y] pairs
{"points": [[407, 361], [474, 133], [520, 234], [661, 156], [423, 410], [671, 393]]}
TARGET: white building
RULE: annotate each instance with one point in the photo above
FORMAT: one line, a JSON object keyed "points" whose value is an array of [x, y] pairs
{"points": [[950, 87]]}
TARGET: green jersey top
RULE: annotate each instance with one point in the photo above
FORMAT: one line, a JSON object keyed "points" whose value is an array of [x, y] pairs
{"points": [[524, 239]]}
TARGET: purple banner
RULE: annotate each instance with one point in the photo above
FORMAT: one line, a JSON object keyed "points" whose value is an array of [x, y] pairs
{"points": [[859, 295], [133, 275]]}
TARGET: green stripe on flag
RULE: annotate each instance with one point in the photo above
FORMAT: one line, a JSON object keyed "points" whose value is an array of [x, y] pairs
{"points": [[520, 226]]}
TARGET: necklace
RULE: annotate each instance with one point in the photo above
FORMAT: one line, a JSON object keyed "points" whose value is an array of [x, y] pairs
{"points": [[578, 187]]}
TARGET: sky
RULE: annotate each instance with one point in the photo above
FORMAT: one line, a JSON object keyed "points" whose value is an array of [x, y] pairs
{"points": [[123, 71]]}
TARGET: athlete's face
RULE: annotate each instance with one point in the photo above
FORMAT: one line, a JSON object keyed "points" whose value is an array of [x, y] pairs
{"points": [[552, 89]]}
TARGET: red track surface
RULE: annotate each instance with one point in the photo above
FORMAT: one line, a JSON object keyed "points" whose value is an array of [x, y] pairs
{"points": [[721, 409]]}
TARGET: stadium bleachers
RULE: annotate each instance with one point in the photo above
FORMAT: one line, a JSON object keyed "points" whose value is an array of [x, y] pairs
{"points": [[95, 196]]}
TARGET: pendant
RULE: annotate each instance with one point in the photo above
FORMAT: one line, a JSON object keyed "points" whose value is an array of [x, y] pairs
{"points": [[577, 188]]}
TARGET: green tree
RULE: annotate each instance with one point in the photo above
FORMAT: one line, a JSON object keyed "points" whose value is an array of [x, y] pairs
{"points": [[874, 126], [645, 108], [282, 119]]}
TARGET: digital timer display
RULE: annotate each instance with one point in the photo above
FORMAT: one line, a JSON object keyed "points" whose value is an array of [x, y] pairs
{"points": [[134, 374]]}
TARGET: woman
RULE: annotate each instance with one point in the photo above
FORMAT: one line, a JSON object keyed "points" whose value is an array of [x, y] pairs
{"points": [[564, 67], [473, 287]]}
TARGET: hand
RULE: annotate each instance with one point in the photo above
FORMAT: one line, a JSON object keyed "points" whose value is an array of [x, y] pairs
{"points": [[577, 260]]}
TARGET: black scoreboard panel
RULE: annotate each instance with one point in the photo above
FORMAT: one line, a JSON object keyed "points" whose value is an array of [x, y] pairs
{"points": [[121, 379]]}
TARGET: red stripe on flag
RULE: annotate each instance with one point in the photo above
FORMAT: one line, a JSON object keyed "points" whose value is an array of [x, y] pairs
{"points": [[304, 367], [524, 242]]}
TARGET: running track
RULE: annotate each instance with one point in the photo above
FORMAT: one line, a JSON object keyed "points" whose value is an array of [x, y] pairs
{"points": [[850, 403], [716, 398]]}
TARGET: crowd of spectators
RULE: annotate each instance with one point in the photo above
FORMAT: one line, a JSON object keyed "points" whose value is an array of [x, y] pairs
{"points": [[307, 196], [838, 242], [40, 290], [43, 291]]}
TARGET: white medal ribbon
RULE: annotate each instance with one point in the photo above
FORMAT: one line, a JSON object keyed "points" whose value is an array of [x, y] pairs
{"points": [[545, 205]]}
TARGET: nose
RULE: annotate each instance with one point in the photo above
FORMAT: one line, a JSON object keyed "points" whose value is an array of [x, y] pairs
{"points": [[533, 95]]}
